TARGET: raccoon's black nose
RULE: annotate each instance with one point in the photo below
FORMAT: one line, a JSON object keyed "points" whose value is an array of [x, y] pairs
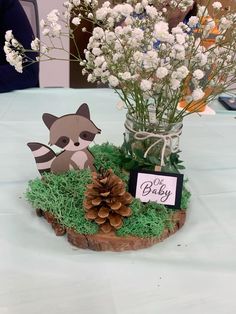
{"points": [[76, 144]]}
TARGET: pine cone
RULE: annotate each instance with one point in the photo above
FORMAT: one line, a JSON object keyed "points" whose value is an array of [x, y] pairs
{"points": [[106, 201]]}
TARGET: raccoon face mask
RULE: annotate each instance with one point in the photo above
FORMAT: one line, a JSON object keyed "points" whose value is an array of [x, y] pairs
{"points": [[72, 132]]}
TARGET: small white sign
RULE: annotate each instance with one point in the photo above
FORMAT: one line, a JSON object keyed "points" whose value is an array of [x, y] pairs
{"points": [[156, 188], [159, 187]]}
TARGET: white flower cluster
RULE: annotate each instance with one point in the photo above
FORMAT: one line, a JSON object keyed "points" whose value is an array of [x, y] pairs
{"points": [[150, 58], [217, 5], [13, 56], [51, 27], [133, 50]]}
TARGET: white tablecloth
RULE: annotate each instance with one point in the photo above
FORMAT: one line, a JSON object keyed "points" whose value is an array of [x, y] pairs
{"points": [[191, 272]]}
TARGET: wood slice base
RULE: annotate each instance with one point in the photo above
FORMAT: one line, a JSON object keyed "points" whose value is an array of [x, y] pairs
{"points": [[111, 242]]}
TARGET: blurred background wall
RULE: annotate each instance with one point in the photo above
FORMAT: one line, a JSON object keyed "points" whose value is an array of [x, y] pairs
{"points": [[65, 74], [53, 73]]}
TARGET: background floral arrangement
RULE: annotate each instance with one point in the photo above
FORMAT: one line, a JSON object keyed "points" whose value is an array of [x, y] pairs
{"points": [[150, 66]]}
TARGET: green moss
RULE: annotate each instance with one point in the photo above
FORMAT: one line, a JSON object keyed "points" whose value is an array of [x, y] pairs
{"points": [[63, 196], [108, 156], [147, 220]]}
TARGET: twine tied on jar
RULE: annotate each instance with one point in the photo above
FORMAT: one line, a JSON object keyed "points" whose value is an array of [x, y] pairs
{"points": [[168, 140]]}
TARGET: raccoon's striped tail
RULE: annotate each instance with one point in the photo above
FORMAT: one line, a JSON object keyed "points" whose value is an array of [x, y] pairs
{"points": [[43, 155]]}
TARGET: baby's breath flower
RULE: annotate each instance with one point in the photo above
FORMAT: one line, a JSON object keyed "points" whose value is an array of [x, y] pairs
{"points": [[99, 61], [120, 105], [174, 84], [198, 94], [137, 34], [44, 49], [145, 3], [224, 23], [35, 44], [146, 85], [8, 35], [76, 21], [161, 72], [113, 81], [76, 2], [98, 32], [177, 30], [202, 11], [46, 31], [106, 4], [6, 48], [161, 31], [217, 5], [101, 13], [96, 51], [97, 72], [180, 38], [15, 59], [151, 11], [56, 29], [15, 43], [90, 78], [198, 74], [126, 76], [53, 16], [182, 72], [193, 21], [126, 9], [138, 8]]}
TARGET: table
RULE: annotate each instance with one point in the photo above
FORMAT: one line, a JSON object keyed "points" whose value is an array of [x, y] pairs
{"points": [[191, 272]]}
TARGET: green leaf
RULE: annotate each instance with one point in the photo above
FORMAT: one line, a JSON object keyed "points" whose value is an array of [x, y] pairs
{"points": [[138, 153], [154, 160], [180, 167]]}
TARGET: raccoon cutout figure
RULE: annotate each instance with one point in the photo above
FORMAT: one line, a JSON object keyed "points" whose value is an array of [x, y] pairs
{"points": [[73, 133]]}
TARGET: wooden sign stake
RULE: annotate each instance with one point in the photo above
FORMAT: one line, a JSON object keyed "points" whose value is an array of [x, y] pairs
{"points": [[157, 168]]}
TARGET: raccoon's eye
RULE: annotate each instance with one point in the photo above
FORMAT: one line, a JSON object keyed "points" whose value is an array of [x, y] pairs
{"points": [[62, 141], [87, 136]]}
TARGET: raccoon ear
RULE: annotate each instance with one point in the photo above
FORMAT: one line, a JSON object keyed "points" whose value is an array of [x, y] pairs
{"points": [[83, 111], [49, 119]]}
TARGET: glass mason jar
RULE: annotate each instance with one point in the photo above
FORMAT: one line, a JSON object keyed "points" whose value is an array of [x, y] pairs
{"points": [[150, 144]]}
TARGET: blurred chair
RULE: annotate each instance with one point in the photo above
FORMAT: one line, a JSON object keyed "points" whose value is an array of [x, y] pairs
{"points": [[31, 9]]}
